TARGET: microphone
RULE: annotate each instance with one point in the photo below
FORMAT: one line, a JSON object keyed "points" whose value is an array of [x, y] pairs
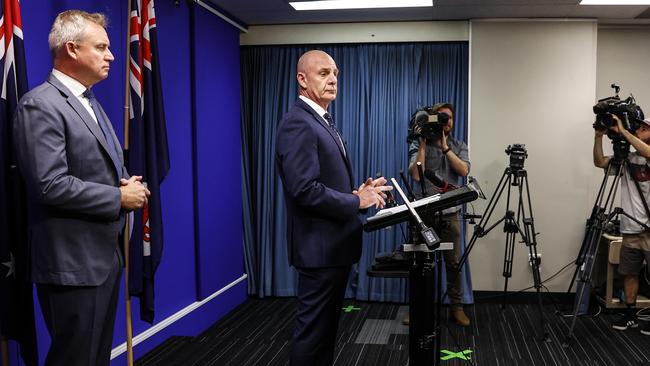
{"points": [[423, 186], [409, 189], [437, 180]]}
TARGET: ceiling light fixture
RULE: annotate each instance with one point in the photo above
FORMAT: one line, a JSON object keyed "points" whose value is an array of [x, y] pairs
{"points": [[615, 2], [358, 4]]}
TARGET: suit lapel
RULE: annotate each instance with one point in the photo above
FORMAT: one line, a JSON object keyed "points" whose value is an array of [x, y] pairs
{"points": [[335, 138], [87, 119], [116, 142], [324, 124]]}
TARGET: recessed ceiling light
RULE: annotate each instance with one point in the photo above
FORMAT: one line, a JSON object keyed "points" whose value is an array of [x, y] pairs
{"points": [[358, 4], [615, 2]]}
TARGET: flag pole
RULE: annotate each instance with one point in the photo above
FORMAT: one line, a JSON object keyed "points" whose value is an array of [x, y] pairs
{"points": [[4, 346], [127, 229]]}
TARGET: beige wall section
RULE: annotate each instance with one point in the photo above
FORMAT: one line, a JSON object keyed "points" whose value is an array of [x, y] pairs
{"points": [[624, 58], [534, 83], [356, 33]]}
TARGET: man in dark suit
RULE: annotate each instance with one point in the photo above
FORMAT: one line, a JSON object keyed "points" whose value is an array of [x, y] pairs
{"points": [[78, 191], [323, 226]]}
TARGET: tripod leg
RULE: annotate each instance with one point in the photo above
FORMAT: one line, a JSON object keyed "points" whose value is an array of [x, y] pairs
{"points": [[480, 230], [583, 281], [507, 265], [530, 239], [537, 280], [580, 259], [595, 236], [595, 212], [509, 227]]}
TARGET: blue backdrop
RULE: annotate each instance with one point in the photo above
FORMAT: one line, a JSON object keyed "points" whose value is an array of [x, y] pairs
{"points": [[198, 162], [379, 87]]}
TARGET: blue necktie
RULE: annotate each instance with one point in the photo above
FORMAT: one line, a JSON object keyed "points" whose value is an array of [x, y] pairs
{"points": [[103, 125], [332, 125]]}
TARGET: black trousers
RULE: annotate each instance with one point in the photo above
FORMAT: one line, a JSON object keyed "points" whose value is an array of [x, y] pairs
{"points": [[80, 320], [320, 298]]}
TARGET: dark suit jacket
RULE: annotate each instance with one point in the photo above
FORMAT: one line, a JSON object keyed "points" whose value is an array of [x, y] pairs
{"points": [[323, 226], [72, 186]]}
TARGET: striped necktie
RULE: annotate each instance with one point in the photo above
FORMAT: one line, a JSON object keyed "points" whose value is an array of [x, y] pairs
{"points": [[332, 126]]}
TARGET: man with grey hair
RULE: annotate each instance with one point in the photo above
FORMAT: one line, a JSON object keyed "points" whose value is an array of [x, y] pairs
{"points": [[78, 192]]}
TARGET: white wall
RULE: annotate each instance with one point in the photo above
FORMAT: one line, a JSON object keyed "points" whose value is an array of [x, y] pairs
{"points": [[356, 33], [624, 58], [534, 83]]}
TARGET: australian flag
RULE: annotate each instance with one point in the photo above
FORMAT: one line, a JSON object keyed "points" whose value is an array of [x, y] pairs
{"points": [[147, 153], [16, 305]]}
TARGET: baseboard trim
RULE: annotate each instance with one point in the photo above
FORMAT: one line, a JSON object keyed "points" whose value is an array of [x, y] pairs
{"points": [[117, 351]]}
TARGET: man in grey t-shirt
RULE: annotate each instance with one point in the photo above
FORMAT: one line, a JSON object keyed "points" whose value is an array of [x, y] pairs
{"points": [[448, 158], [636, 240]]}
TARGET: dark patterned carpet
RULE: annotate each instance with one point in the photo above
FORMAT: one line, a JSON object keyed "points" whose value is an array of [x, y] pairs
{"points": [[259, 332]]}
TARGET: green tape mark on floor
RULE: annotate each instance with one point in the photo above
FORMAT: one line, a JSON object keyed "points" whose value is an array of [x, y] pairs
{"points": [[463, 355]]}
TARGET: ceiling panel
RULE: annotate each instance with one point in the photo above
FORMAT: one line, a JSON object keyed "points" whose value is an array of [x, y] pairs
{"points": [[504, 2], [259, 12]]}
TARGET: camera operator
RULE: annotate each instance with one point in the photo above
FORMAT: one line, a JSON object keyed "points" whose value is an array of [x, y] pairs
{"points": [[447, 157], [636, 240]]}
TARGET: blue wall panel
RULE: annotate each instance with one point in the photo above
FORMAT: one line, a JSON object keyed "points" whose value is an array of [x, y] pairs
{"points": [[220, 240], [175, 278], [218, 162]]}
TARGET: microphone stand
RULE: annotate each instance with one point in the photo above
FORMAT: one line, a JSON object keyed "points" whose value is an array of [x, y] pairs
{"points": [[428, 234], [437, 259], [413, 236], [424, 329], [423, 187]]}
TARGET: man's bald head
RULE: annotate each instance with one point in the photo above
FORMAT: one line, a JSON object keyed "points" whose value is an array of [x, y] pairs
{"points": [[309, 57], [317, 77]]}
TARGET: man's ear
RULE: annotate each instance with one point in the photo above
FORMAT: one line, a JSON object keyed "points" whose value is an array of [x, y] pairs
{"points": [[70, 49], [302, 80]]}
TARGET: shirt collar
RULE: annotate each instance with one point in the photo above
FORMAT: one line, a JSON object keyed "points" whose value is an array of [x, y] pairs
{"points": [[318, 109], [69, 82]]}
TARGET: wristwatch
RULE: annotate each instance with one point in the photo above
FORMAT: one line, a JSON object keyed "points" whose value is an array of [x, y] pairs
{"points": [[446, 150]]}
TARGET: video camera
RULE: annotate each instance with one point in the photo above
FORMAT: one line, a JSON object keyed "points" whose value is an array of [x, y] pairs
{"points": [[626, 110], [429, 121], [518, 155]]}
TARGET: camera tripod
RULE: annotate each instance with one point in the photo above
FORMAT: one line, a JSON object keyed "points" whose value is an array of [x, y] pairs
{"points": [[513, 176], [601, 215]]}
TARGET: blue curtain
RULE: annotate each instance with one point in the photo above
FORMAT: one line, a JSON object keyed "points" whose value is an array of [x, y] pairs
{"points": [[379, 87]]}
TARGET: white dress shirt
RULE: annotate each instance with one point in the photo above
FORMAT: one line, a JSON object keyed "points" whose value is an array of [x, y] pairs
{"points": [[321, 112], [77, 90]]}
